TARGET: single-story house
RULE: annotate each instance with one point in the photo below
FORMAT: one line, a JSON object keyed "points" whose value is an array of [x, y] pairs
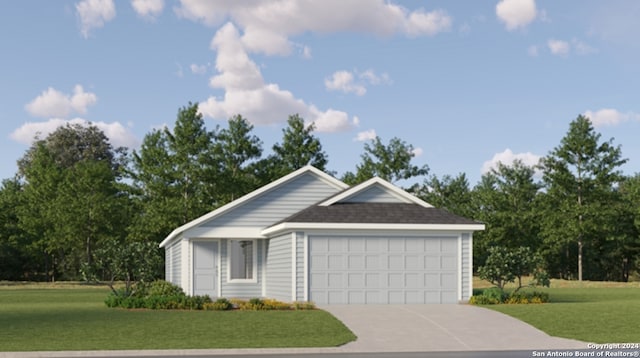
{"points": [[310, 237]]}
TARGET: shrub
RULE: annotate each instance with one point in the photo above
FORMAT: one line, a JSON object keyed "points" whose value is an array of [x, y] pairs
{"points": [[164, 288], [302, 305], [271, 304], [221, 304]]}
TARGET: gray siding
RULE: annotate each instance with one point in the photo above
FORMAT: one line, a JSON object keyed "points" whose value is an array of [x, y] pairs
{"points": [[279, 275], [276, 204], [467, 265], [173, 257], [375, 194], [300, 260], [240, 289]]}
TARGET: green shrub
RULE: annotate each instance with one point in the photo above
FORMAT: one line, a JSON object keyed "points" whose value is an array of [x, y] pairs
{"points": [[164, 288], [303, 305], [221, 304], [271, 304]]}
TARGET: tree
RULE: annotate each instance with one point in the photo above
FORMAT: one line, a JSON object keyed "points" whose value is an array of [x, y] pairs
{"points": [[299, 148], [17, 261], [390, 162], [449, 193], [506, 265], [506, 199], [579, 177], [239, 151], [70, 185], [175, 174]]}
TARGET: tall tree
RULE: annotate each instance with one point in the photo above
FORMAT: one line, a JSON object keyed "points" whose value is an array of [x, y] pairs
{"points": [[17, 261], [70, 181], [239, 151], [175, 175], [390, 162], [579, 177], [505, 199], [450, 193], [299, 147]]}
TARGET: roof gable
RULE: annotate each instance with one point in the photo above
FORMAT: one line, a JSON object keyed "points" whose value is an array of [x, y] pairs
{"points": [[255, 195], [375, 190]]}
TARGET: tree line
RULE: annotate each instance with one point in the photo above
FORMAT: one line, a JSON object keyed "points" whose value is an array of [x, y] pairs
{"points": [[76, 201]]}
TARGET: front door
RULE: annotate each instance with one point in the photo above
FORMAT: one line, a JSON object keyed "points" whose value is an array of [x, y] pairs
{"points": [[205, 268]]}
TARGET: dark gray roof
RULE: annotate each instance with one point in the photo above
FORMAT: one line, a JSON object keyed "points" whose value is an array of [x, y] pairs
{"points": [[377, 213]]}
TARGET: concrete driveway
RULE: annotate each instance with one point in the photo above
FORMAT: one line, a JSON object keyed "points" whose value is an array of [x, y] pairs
{"points": [[425, 328]]}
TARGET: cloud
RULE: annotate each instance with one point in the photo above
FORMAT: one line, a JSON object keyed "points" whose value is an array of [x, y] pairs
{"points": [[610, 117], [417, 152], [516, 13], [344, 81], [94, 14], [508, 157], [268, 24], [149, 9], [247, 93], [366, 135], [53, 103], [564, 48], [119, 135], [559, 47], [198, 69], [355, 82]]}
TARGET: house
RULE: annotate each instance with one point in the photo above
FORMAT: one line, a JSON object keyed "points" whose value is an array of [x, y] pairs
{"points": [[310, 237]]}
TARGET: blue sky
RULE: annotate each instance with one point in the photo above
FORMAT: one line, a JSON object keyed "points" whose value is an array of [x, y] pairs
{"points": [[468, 83]]}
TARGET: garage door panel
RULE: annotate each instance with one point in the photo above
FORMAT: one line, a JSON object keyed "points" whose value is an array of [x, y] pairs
{"points": [[382, 270]]}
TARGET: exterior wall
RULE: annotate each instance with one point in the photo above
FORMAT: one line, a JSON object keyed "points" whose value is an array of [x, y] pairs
{"points": [[276, 204], [173, 269], [466, 276], [278, 267], [300, 266], [240, 289], [375, 194]]}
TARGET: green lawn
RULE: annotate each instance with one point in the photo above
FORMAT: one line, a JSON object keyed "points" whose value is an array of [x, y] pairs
{"points": [[589, 311], [35, 319]]}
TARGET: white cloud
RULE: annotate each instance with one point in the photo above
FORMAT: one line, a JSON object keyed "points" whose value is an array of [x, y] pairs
{"points": [[306, 52], [344, 81], [610, 117], [354, 82], [516, 13], [507, 158], [119, 135], [246, 92], [267, 24], [582, 48], [53, 103], [559, 47], [148, 8], [198, 69], [366, 135], [417, 152], [94, 14]]}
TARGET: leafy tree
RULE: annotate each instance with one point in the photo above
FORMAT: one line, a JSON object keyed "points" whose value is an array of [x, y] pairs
{"points": [[579, 177], [299, 148], [390, 162], [70, 180], [450, 193], [175, 174], [17, 261], [134, 262], [505, 200], [239, 151], [505, 265]]}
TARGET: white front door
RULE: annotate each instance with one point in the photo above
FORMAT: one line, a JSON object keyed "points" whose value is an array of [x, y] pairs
{"points": [[205, 268]]}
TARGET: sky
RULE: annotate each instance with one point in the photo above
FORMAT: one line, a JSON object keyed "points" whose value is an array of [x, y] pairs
{"points": [[467, 83]]}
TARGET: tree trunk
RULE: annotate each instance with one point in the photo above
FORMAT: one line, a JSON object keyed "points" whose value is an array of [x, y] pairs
{"points": [[580, 259]]}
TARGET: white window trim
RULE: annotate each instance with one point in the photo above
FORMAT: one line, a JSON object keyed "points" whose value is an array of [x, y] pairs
{"points": [[255, 263]]}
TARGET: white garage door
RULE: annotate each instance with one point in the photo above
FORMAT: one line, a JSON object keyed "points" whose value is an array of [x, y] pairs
{"points": [[381, 270]]}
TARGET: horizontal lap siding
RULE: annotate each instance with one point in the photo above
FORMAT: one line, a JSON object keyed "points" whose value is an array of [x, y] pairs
{"points": [[240, 289], [276, 204], [466, 267], [300, 271], [279, 268], [375, 194]]}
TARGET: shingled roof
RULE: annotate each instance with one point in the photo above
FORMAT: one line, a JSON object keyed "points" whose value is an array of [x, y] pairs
{"points": [[377, 213]]}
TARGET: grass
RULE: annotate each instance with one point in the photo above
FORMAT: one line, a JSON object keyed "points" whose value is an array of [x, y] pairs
{"points": [[48, 318], [600, 312]]}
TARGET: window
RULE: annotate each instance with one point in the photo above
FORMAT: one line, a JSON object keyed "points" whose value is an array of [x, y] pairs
{"points": [[241, 259]]}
